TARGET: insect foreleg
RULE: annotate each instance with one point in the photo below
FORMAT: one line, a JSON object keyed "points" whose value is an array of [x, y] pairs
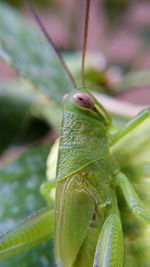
{"points": [[131, 197], [131, 125], [110, 249]]}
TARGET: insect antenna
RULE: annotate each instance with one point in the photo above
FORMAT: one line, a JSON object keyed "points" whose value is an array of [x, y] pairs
{"points": [[49, 39], [86, 26]]}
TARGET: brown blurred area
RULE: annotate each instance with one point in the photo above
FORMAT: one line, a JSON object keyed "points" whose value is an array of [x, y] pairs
{"points": [[120, 29]]}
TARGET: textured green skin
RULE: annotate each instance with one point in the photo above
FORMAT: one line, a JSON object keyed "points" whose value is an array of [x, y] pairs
{"points": [[87, 224], [85, 195], [82, 140], [136, 232]]}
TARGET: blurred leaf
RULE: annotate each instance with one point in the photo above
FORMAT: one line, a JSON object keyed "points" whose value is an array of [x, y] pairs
{"points": [[134, 150], [133, 80], [15, 113], [133, 156], [25, 114], [115, 8], [19, 197], [20, 179], [44, 3], [95, 68], [31, 55]]}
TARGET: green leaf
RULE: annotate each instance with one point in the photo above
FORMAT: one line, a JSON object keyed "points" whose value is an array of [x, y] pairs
{"points": [[133, 155], [31, 55], [19, 197], [136, 154], [20, 107], [21, 179], [15, 113], [134, 79]]}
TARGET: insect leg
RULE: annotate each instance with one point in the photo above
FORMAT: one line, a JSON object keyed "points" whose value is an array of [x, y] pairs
{"points": [[131, 197], [137, 120], [110, 249], [33, 231]]}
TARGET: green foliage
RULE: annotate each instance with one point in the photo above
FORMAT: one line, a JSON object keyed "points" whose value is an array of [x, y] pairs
{"points": [[21, 178], [20, 196], [22, 47], [115, 8], [30, 54], [19, 3], [15, 110], [134, 161]]}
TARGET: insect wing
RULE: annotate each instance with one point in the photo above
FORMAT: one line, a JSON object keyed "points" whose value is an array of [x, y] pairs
{"points": [[73, 216]]}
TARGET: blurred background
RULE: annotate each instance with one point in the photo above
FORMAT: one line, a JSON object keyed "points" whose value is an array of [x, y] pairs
{"points": [[117, 65], [119, 31]]}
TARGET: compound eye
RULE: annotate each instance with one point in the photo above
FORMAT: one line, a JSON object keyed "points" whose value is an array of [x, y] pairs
{"points": [[84, 100]]}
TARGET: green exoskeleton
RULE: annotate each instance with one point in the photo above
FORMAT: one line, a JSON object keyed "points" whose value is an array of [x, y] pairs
{"points": [[86, 204], [88, 228]]}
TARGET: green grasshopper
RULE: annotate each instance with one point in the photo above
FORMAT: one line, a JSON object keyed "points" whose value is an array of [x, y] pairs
{"points": [[88, 229]]}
